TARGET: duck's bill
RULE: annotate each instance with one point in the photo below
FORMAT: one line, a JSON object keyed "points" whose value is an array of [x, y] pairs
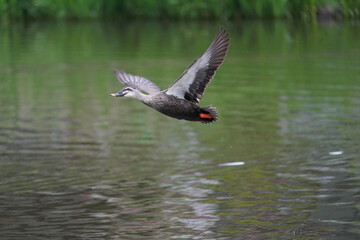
{"points": [[118, 94]]}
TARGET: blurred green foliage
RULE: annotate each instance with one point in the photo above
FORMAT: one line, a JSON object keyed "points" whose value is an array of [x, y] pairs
{"points": [[170, 9]]}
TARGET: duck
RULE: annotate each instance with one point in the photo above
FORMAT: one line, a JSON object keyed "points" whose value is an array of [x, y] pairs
{"points": [[181, 99]]}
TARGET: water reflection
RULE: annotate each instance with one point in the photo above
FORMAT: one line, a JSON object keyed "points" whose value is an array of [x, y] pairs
{"points": [[317, 133], [76, 163]]}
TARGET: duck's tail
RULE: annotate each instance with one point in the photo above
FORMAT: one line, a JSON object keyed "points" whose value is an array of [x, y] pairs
{"points": [[208, 114]]}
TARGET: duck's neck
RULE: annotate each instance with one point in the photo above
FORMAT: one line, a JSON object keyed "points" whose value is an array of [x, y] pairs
{"points": [[142, 97]]}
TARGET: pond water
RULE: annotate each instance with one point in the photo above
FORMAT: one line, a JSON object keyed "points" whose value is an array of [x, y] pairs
{"points": [[282, 162]]}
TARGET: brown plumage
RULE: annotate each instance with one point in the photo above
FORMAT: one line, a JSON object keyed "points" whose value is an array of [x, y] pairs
{"points": [[181, 98]]}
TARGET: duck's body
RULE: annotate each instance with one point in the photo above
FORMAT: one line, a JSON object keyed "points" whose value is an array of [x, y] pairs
{"points": [[180, 108], [181, 98]]}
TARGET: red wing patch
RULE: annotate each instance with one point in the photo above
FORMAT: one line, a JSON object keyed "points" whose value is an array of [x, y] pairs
{"points": [[205, 115]]}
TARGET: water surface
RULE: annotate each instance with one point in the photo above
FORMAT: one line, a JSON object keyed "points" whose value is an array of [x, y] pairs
{"points": [[79, 164]]}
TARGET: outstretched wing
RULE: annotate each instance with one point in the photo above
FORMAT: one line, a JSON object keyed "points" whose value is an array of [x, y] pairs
{"points": [[137, 82], [192, 83]]}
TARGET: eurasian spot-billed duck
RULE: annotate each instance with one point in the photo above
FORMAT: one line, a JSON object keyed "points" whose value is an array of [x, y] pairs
{"points": [[181, 99]]}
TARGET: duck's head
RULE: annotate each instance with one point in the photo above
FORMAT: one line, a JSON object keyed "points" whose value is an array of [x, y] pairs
{"points": [[125, 92]]}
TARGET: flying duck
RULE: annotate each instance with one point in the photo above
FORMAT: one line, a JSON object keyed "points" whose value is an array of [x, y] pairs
{"points": [[181, 99]]}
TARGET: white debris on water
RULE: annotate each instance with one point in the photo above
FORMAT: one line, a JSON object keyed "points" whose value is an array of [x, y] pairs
{"points": [[335, 153], [231, 164]]}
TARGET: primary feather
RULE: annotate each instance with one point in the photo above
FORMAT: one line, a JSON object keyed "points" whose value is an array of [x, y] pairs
{"points": [[192, 83], [137, 82]]}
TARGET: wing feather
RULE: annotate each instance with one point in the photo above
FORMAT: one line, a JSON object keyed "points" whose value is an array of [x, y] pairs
{"points": [[137, 82], [192, 83]]}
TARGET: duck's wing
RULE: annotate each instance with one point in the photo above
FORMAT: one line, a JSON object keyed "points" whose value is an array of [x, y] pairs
{"points": [[137, 82], [192, 83]]}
